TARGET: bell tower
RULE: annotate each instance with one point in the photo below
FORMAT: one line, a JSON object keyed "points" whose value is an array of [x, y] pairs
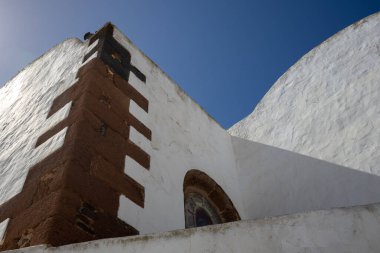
{"points": [[73, 194]]}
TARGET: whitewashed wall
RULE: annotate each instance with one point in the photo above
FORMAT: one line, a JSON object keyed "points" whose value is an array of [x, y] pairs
{"points": [[345, 230], [276, 182], [24, 104], [328, 104], [184, 137], [260, 180]]}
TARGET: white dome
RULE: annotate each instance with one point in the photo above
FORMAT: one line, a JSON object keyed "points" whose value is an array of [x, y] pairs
{"points": [[328, 104]]}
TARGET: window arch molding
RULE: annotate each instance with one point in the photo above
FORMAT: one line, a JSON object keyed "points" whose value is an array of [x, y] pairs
{"points": [[205, 201]]}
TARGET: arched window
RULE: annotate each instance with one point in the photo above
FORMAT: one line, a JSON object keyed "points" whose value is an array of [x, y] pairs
{"points": [[205, 201], [199, 211]]}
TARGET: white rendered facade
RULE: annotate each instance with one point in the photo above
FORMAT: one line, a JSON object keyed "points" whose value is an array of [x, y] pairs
{"points": [[313, 143]]}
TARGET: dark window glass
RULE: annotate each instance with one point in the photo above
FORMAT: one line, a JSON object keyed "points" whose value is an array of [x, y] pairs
{"points": [[199, 211], [202, 218]]}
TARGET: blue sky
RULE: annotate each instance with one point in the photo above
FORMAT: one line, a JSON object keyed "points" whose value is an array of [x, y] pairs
{"points": [[224, 54]]}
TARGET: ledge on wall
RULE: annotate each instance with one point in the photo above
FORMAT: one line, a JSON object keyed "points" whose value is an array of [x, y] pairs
{"points": [[350, 229]]}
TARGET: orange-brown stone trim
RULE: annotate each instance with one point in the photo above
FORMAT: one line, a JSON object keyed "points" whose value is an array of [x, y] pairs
{"points": [[113, 54], [73, 194], [98, 98]]}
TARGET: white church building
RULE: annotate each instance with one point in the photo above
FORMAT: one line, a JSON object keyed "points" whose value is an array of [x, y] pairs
{"points": [[100, 151]]}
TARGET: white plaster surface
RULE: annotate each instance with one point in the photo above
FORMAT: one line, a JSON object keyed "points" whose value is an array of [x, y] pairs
{"points": [[328, 104], [261, 180], [3, 228], [93, 56], [55, 118], [138, 113], [277, 182], [140, 140], [184, 137], [130, 212], [137, 84], [92, 46], [344, 230], [24, 104], [135, 170]]}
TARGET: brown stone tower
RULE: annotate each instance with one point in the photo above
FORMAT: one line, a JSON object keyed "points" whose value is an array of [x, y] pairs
{"points": [[73, 194]]}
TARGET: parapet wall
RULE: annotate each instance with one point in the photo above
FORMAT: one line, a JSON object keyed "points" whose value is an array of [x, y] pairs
{"points": [[277, 182], [343, 230]]}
